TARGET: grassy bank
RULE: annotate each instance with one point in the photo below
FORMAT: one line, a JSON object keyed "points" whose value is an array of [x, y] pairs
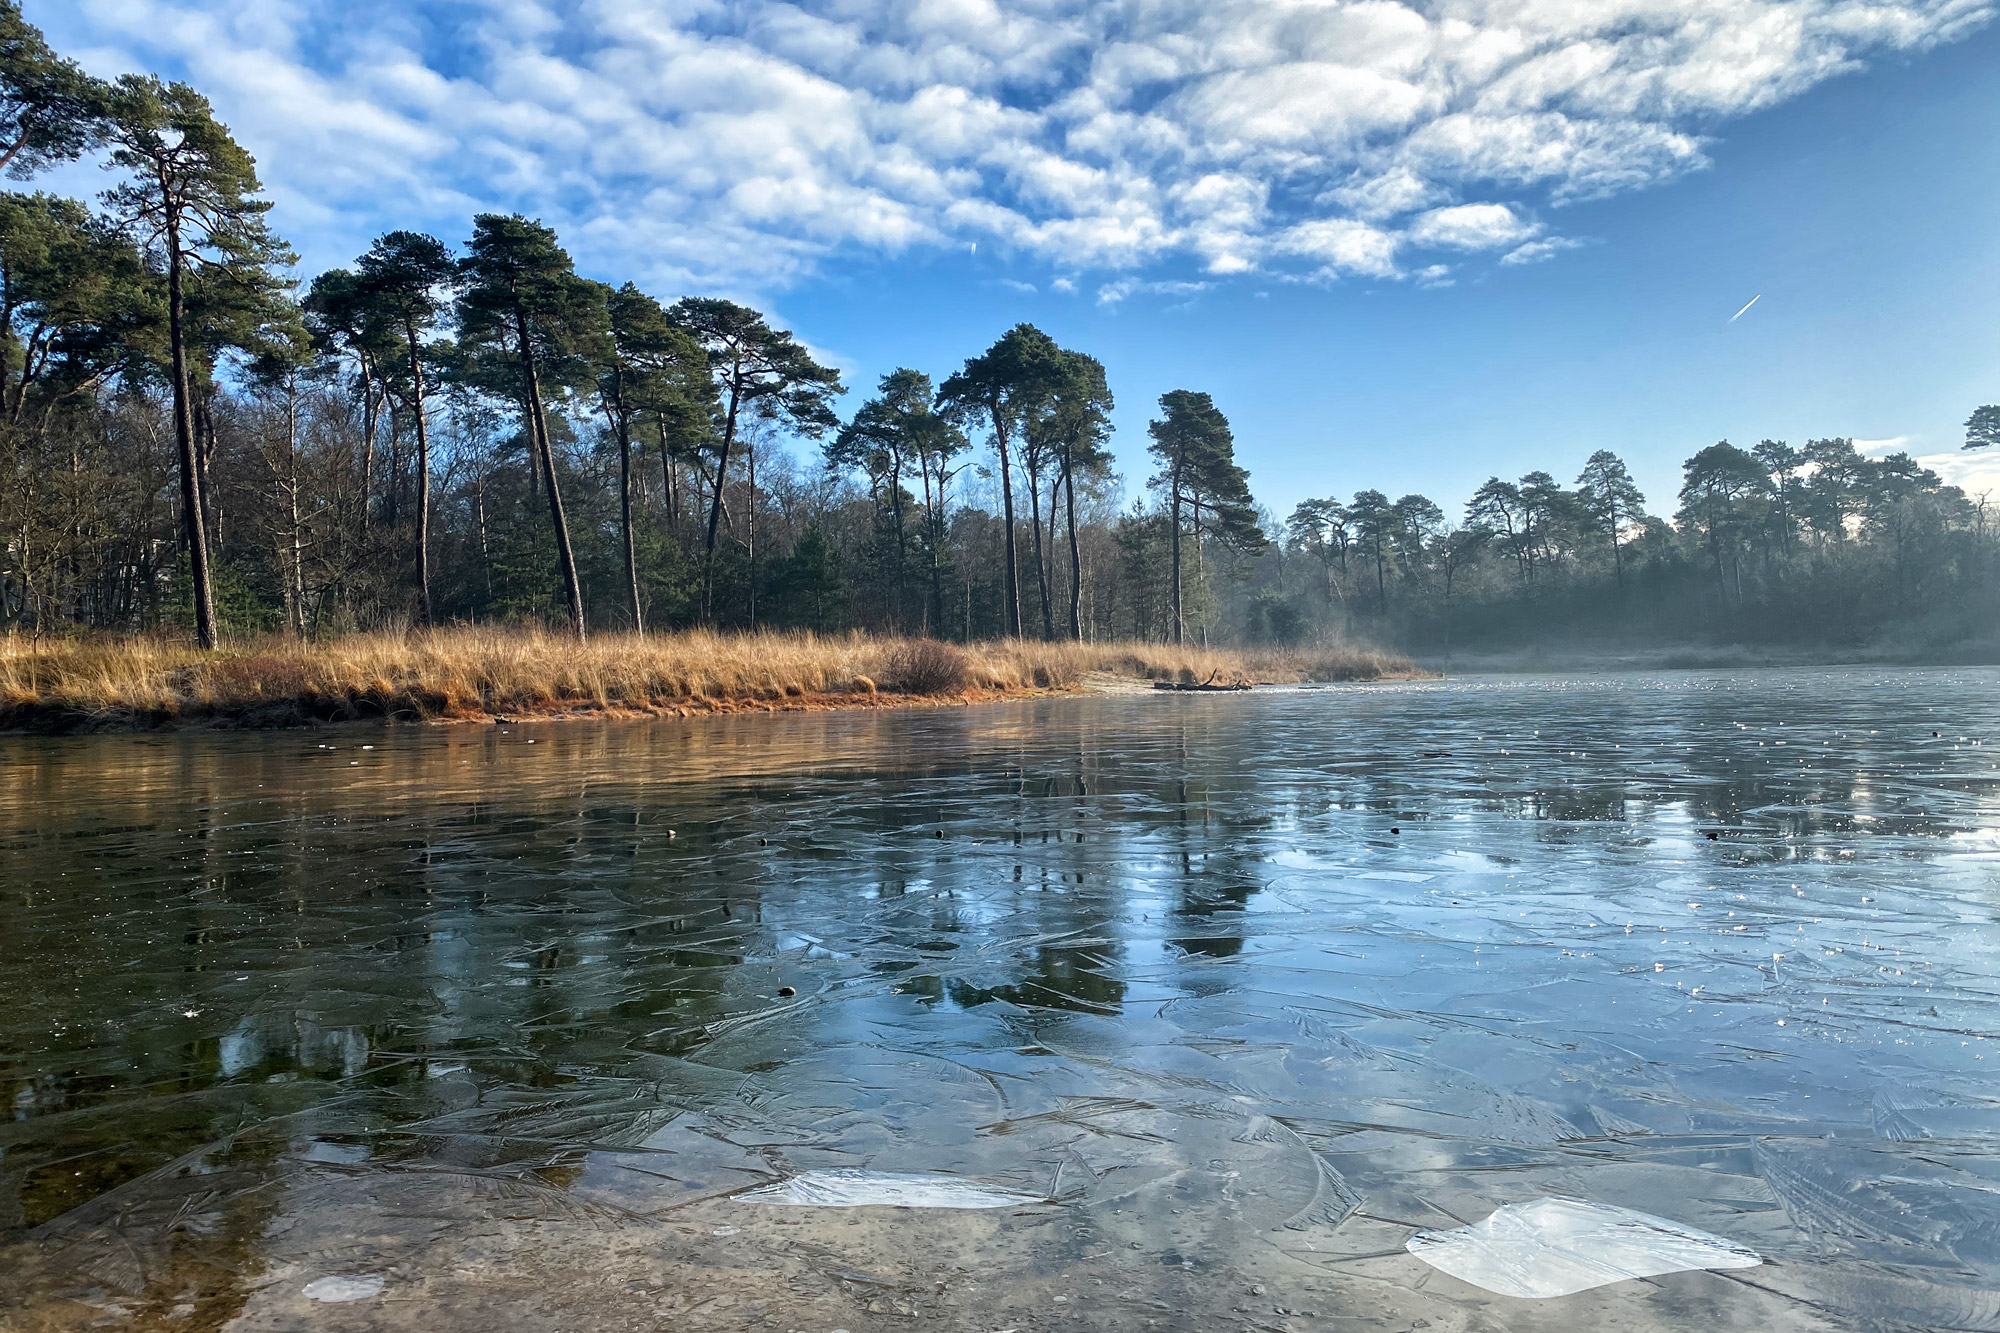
{"points": [[114, 684]]}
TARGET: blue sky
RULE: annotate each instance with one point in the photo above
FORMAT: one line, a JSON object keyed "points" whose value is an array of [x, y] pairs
{"points": [[1403, 247]]}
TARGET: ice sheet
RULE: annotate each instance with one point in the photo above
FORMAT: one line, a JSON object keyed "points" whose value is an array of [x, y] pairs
{"points": [[344, 1287], [841, 1187], [510, 1022], [1558, 1247]]}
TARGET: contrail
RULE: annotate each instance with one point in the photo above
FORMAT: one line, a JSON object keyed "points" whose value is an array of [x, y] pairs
{"points": [[1753, 301]]}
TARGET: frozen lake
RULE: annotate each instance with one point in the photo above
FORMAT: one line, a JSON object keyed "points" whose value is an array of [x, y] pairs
{"points": [[1173, 1011]]}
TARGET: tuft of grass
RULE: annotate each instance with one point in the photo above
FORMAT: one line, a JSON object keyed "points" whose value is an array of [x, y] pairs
{"points": [[464, 672]]}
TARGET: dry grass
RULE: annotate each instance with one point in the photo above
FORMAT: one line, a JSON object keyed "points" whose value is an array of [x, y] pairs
{"points": [[111, 683]]}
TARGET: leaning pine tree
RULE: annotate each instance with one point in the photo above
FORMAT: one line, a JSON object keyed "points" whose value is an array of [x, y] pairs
{"points": [[757, 369], [524, 308]]}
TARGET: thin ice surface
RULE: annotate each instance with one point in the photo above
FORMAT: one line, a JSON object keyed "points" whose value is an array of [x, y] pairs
{"points": [[509, 1023], [842, 1187], [1558, 1247]]}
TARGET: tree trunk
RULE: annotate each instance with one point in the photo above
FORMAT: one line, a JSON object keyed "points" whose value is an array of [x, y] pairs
{"points": [[1200, 560], [715, 504], [367, 441], [191, 498], [1075, 557], [625, 520], [204, 456], [1041, 565], [423, 478], [934, 523], [479, 517], [896, 517], [621, 429], [672, 492], [750, 524], [295, 590], [1011, 579], [538, 430], [1174, 526]]}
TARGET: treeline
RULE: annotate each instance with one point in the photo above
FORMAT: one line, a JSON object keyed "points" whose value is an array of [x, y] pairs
{"points": [[192, 437], [1774, 544]]}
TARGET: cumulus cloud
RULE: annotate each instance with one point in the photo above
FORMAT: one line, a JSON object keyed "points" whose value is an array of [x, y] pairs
{"points": [[742, 142], [1469, 227]]}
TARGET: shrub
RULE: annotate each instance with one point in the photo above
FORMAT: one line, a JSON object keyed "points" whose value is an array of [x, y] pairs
{"points": [[925, 666]]}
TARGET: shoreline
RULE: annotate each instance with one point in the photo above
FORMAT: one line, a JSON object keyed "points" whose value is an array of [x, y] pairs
{"points": [[486, 676]]}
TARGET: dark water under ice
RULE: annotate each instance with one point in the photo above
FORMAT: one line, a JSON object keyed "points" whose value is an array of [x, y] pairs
{"points": [[492, 1022]]}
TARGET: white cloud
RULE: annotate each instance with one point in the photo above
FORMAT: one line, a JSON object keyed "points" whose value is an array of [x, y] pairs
{"points": [[1342, 246], [1111, 293], [1534, 252], [1974, 471], [699, 143], [1470, 227]]}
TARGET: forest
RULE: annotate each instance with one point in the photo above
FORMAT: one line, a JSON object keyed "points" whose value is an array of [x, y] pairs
{"points": [[198, 440]]}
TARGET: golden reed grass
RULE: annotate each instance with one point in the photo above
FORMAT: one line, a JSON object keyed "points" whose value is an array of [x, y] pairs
{"points": [[112, 683]]}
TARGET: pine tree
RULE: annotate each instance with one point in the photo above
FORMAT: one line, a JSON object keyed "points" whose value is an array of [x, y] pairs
{"points": [[191, 192], [405, 284], [524, 307], [50, 110], [1613, 499], [649, 365], [762, 370], [1198, 470]]}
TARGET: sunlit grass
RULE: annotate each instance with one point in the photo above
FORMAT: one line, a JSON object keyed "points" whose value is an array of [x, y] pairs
{"points": [[476, 672]]}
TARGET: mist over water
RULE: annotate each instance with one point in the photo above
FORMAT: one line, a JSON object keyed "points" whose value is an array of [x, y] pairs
{"points": [[1245, 990]]}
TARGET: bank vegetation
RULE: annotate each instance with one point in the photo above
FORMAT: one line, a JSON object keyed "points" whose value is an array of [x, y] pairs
{"points": [[121, 683]]}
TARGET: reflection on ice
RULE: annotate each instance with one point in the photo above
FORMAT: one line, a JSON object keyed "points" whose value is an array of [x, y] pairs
{"points": [[1557, 1247]]}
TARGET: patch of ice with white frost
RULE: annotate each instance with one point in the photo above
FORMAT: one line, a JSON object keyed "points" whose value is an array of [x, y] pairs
{"points": [[844, 1187], [1555, 1247], [346, 1287]]}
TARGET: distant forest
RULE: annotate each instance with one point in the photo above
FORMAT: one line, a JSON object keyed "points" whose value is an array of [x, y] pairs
{"points": [[193, 439]]}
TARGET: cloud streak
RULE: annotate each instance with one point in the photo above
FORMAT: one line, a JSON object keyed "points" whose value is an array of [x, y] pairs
{"points": [[743, 142]]}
